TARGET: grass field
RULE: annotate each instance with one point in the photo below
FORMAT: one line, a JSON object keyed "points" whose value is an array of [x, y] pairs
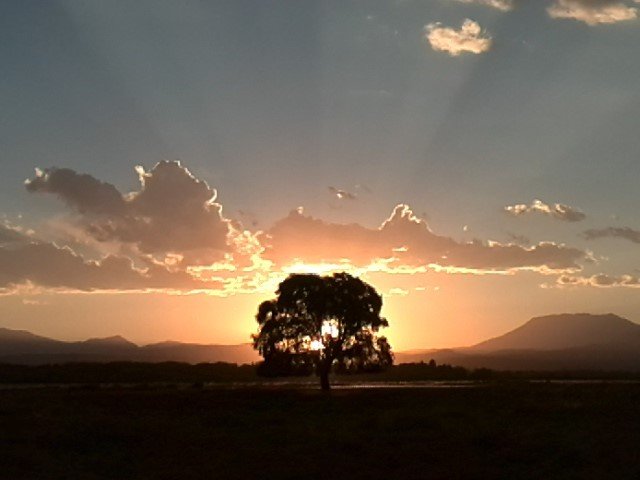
{"points": [[509, 431]]}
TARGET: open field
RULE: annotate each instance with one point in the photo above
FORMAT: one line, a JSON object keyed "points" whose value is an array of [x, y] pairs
{"points": [[510, 430]]}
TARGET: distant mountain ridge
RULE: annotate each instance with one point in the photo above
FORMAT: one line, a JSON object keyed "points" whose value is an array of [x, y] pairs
{"points": [[116, 340], [578, 341], [554, 342], [20, 346], [556, 332]]}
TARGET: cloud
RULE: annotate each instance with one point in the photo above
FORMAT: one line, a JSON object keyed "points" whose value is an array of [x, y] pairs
{"points": [[468, 39], [558, 211], [82, 192], [397, 292], [405, 241], [342, 194], [170, 234], [172, 213], [46, 265], [626, 233], [519, 239], [593, 12], [502, 5], [600, 280], [11, 235]]}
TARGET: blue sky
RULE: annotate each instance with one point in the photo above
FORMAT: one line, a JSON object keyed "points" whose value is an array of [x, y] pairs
{"points": [[273, 102]]}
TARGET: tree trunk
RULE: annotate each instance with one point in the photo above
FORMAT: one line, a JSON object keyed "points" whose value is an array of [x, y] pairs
{"points": [[324, 380], [323, 369]]}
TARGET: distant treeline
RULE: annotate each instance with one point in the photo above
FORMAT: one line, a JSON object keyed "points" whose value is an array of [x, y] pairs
{"points": [[177, 372], [126, 372], [426, 371]]}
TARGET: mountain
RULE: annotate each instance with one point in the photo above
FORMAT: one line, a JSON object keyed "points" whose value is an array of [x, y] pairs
{"points": [[19, 346], [9, 335], [16, 342], [116, 341], [557, 332], [554, 342]]}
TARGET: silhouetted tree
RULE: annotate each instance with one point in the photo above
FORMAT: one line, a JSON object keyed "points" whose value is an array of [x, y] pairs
{"points": [[319, 323]]}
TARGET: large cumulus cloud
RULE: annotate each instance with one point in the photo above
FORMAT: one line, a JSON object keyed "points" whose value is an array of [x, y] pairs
{"points": [[409, 242], [82, 192], [172, 213], [43, 264], [173, 235]]}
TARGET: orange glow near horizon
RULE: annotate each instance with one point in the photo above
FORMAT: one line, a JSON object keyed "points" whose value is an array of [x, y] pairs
{"points": [[439, 311], [427, 307]]}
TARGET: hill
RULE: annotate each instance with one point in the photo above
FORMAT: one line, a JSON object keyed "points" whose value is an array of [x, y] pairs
{"points": [[566, 331], [19, 346], [554, 342]]}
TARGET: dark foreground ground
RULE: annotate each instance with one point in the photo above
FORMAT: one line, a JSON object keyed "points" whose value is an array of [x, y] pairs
{"points": [[508, 431]]}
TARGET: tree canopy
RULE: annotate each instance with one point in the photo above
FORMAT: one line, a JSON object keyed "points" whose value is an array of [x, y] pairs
{"points": [[319, 324]]}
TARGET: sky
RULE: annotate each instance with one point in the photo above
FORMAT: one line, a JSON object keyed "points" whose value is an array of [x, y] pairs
{"points": [[165, 164]]}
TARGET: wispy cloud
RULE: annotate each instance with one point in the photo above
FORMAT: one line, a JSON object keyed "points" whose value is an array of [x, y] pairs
{"points": [[468, 39], [342, 194], [397, 292], [502, 5], [600, 280], [558, 211], [519, 239], [593, 12], [10, 234], [626, 233]]}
